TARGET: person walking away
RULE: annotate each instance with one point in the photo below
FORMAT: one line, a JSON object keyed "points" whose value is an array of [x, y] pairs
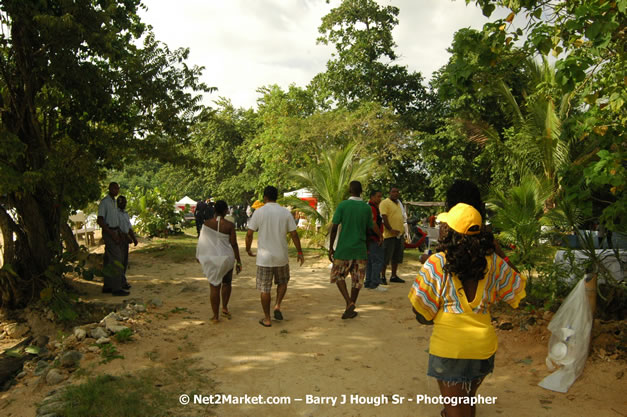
{"points": [[351, 253], [199, 215], [393, 241], [109, 221], [127, 237], [454, 291], [217, 252], [375, 246], [273, 223]]}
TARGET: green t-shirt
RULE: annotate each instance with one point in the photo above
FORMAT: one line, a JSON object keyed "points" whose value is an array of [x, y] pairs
{"points": [[355, 216]]}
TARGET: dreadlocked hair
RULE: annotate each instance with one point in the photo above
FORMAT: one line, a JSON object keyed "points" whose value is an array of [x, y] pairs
{"points": [[466, 254]]}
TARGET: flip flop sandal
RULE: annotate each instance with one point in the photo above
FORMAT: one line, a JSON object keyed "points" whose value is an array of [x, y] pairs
{"points": [[348, 312], [264, 324], [227, 314], [278, 315]]}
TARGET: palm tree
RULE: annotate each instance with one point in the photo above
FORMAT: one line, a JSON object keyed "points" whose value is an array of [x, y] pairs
{"points": [[537, 145], [519, 217], [328, 181]]}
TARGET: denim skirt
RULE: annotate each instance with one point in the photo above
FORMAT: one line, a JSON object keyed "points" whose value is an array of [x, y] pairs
{"points": [[459, 370]]}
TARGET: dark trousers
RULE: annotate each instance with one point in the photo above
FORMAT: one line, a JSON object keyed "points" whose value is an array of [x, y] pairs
{"points": [[124, 245], [113, 264]]}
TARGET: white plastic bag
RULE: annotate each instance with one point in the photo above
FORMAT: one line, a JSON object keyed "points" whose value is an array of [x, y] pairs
{"points": [[570, 339]]}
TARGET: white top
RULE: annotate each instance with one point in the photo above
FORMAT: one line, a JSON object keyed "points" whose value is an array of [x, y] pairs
{"points": [[125, 221], [108, 210], [273, 223], [215, 254]]}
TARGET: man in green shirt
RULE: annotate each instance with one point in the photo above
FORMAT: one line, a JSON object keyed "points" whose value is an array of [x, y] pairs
{"points": [[351, 254]]}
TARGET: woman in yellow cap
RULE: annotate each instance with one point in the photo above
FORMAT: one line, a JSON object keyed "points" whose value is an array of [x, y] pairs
{"points": [[454, 290]]}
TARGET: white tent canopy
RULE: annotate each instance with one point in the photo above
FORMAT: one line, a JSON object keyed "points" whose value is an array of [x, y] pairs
{"points": [[185, 201], [300, 193]]}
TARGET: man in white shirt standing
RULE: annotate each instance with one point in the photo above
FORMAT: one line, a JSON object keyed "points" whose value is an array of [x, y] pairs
{"points": [[109, 221], [273, 223]]}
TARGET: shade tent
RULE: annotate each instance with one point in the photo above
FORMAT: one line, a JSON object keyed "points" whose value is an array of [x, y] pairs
{"points": [[185, 201], [305, 195], [300, 193]]}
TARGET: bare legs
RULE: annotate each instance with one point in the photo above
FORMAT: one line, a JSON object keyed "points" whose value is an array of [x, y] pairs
{"points": [[341, 285], [265, 304], [214, 297], [281, 289], [266, 298], [226, 295], [457, 390]]}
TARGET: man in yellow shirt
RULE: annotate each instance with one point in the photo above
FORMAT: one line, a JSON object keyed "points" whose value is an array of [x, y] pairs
{"points": [[393, 236]]}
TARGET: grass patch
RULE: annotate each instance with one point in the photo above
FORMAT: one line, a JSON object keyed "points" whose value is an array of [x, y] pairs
{"points": [[151, 392], [177, 249], [124, 335], [109, 352]]}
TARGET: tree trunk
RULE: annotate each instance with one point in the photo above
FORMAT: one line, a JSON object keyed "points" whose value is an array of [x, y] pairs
{"points": [[6, 229], [71, 245], [37, 244]]}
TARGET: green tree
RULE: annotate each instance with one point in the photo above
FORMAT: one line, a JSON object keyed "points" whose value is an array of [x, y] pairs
{"points": [[328, 181], [587, 39], [80, 94], [362, 69], [276, 147]]}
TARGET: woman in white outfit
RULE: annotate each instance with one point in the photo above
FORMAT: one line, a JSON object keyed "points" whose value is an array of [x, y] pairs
{"points": [[217, 252]]}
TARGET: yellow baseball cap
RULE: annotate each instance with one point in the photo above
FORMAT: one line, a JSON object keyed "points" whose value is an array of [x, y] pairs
{"points": [[462, 218]]}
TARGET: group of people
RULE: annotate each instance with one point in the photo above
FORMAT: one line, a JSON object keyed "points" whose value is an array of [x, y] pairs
{"points": [[205, 210], [453, 290], [118, 234], [273, 223]]}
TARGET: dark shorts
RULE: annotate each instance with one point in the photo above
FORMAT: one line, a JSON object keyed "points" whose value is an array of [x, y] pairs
{"points": [[393, 248], [459, 370]]}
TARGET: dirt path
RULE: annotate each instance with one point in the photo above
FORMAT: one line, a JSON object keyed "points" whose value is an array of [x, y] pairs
{"points": [[313, 352]]}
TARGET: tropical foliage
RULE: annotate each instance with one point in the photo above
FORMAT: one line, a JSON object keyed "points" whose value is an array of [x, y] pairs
{"points": [[81, 82], [328, 181]]}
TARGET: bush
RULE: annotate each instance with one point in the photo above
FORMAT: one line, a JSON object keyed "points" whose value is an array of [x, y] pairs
{"points": [[155, 213], [553, 283]]}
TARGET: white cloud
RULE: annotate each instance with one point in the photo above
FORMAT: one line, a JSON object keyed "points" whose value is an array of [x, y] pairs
{"points": [[246, 44]]}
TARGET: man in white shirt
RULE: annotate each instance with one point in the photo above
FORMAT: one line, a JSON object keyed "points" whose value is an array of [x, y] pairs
{"points": [[109, 221], [273, 223]]}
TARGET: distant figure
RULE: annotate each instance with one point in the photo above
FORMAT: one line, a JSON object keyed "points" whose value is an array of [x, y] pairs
{"points": [[127, 237], [109, 221], [393, 234], [350, 256], [375, 246], [217, 252], [432, 220], [273, 223], [199, 215], [454, 291]]}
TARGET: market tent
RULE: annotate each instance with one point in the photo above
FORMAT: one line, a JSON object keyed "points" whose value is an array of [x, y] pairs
{"points": [[305, 195], [300, 193], [185, 201]]}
